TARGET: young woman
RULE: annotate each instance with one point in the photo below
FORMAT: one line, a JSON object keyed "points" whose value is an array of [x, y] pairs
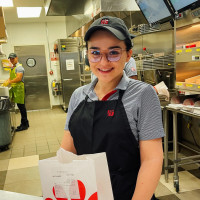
{"points": [[117, 115]]}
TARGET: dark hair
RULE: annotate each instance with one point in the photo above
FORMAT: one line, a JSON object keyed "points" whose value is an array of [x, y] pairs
{"points": [[128, 44]]}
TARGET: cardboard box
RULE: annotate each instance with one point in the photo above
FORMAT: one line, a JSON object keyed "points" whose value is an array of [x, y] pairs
{"points": [[2, 25]]}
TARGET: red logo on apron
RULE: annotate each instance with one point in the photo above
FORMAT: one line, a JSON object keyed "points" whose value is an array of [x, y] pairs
{"points": [[104, 21], [110, 113]]}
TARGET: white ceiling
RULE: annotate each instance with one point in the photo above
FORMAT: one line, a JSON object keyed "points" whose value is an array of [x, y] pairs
{"points": [[10, 13]]}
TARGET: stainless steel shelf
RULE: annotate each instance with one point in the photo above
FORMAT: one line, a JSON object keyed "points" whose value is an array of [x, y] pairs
{"points": [[183, 112], [189, 88], [188, 92], [188, 55]]}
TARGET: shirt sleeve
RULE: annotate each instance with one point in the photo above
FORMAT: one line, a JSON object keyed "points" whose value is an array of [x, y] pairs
{"points": [[130, 68], [19, 69], [150, 124], [71, 108]]}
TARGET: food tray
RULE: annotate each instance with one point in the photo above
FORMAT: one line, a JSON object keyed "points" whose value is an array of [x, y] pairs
{"points": [[196, 110]]}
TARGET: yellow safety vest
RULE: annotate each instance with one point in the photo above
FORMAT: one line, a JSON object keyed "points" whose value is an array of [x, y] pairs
{"points": [[17, 89]]}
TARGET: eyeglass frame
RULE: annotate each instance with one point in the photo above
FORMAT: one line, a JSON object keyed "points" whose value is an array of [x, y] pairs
{"points": [[107, 56]]}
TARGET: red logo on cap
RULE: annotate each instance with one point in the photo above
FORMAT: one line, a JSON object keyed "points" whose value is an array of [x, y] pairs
{"points": [[104, 21]]}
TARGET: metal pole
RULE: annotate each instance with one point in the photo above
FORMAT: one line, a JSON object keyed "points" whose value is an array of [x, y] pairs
{"points": [[191, 149], [189, 157], [166, 129], [175, 149]]}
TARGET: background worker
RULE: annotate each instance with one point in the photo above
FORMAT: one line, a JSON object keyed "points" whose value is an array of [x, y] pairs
{"points": [[17, 92], [117, 115], [130, 69]]}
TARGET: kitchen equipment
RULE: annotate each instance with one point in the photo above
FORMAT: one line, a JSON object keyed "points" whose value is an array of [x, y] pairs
{"points": [[69, 68], [155, 76], [4, 91], [5, 123]]}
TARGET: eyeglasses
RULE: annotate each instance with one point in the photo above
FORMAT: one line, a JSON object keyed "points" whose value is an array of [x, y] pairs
{"points": [[113, 55]]}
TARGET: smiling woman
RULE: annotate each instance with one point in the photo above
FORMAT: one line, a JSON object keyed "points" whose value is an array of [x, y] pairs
{"points": [[117, 115]]}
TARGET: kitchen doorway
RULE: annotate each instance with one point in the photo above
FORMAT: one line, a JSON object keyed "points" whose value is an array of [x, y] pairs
{"points": [[32, 58]]}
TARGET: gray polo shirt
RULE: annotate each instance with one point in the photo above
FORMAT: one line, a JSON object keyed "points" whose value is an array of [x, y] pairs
{"points": [[19, 69], [140, 101], [130, 68]]}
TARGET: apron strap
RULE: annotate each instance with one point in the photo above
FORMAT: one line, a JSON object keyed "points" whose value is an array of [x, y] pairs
{"points": [[121, 93]]}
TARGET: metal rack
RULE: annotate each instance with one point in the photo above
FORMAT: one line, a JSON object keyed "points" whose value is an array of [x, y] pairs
{"points": [[154, 68], [85, 76], [177, 160]]}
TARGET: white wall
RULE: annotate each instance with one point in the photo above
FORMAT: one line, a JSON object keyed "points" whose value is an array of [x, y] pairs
{"points": [[4, 75], [37, 34]]}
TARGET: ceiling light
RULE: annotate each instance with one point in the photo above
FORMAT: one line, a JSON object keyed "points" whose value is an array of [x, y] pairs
{"points": [[28, 12], [6, 3]]}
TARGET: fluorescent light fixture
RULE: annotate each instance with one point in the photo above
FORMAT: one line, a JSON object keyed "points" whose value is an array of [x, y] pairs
{"points": [[195, 25], [6, 3], [28, 12]]}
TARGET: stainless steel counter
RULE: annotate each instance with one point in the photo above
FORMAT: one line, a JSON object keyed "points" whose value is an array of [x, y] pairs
{"points": [[5, 195]]}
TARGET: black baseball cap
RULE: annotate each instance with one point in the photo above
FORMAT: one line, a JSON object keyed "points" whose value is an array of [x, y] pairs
{"points": [[12, 55], [113, 24]]}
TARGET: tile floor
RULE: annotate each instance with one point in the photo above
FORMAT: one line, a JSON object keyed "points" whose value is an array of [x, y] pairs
{"points": [[19, 165]]}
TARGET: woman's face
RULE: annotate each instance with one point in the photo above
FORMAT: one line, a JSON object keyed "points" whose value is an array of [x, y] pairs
{"points": [[105, 42]]}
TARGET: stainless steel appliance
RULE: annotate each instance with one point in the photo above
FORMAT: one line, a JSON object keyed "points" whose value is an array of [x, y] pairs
{"points": [[6, 119], [153, 70], [32, 58], [69, 68]]}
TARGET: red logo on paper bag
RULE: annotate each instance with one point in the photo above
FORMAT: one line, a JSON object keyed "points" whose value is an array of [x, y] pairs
{"points": [[110, 113], [104, 21], [82, 193]]}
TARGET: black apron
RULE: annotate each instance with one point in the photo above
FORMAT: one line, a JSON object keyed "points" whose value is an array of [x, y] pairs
{"points": [[102, 126]]}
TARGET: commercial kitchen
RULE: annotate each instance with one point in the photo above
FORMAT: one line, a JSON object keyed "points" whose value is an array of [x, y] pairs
{"points": [[51, 48]]}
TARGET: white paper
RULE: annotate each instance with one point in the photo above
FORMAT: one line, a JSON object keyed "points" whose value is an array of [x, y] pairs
{"points": [[69, 176], [70, 64]]}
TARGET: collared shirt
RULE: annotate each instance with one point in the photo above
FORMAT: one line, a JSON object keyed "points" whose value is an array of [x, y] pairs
{"points": [[140, 101]]}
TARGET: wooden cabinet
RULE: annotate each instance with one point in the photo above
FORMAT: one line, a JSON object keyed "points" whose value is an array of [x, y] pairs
{"points": [[3, 34]]}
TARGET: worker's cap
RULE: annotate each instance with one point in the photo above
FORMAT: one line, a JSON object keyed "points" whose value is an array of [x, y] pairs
{"points": [[12, 55], [113, 24]]}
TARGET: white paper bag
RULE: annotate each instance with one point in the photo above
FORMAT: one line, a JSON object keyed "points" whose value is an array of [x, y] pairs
{"points": [[162, 89], [72, 177]]}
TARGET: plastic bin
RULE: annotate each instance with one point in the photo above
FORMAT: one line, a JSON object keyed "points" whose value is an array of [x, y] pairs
{"points": [[5, 123]]}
